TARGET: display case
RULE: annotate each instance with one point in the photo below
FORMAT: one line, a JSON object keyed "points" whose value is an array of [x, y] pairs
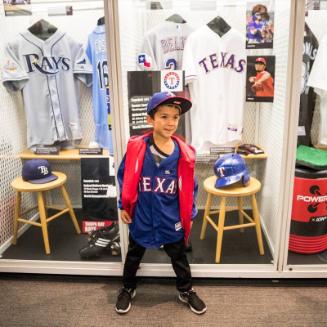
{"points": [[209, 40], [305, 242], [238, 61], [55, 106]]}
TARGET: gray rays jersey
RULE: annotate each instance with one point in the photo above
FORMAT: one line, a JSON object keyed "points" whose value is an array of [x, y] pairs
{"points": [[47, 72], [163, 46]]}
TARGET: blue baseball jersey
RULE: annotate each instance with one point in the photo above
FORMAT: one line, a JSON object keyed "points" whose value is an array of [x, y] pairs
{"points": [[156, 219], [97, 54]]}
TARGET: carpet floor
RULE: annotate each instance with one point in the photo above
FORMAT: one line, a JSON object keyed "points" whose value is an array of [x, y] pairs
{"points": [[59, 301]]}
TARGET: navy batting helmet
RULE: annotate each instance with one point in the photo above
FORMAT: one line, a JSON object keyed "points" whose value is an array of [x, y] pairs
{"points": [[229, 169]]}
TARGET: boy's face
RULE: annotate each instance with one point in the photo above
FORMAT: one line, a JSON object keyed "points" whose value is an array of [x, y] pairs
{"points": [[165, 120]]}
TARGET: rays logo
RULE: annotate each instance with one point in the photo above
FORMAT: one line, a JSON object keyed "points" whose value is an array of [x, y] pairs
{"points": [[171, 80], [46, 65], [43, 170]]}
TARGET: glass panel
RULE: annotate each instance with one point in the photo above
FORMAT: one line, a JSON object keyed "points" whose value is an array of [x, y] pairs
{"points": [[308, 234], [52, 51], [225, 52]]}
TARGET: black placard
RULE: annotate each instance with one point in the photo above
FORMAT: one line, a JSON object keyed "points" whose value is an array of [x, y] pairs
{"points": [[97, 201], [141, 86]]}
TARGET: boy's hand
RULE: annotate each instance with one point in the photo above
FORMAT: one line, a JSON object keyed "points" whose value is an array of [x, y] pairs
{"points": [[125, 217]]}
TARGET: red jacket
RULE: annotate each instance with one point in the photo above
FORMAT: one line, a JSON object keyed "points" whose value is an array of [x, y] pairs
{"points": [[133, 167]]}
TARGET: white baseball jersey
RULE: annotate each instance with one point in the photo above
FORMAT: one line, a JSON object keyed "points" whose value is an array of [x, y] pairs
{"points": [[215, 69], [46, 72], [318, 80], [163, 46]]}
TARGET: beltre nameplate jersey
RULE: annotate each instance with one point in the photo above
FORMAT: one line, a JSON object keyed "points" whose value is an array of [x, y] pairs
{"points": [[47, 72], [97, 54], [163, 46], [215, 69]]}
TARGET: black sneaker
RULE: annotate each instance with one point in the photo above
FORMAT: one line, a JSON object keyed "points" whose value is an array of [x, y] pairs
{"points": [[95, 248], [101, 240], [110, 233], [124, 300], [195, 303]]}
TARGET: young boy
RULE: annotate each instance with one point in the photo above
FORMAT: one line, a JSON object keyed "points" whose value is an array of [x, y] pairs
{"points": [[157, 200]]}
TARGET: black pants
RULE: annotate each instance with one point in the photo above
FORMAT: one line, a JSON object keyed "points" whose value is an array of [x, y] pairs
{"points": [[176, 252]]}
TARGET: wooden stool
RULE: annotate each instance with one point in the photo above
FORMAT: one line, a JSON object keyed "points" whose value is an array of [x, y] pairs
{"points": [[239, 192], [21, 186]]}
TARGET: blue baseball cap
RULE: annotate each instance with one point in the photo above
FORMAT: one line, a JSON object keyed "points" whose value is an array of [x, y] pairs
{"points": [[161, 98], [229, 169], [37, 171]]}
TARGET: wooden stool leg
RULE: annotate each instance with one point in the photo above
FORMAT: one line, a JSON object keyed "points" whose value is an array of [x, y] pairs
{"points": [[43, 220], [256, 218], [206, 213], [45, 203], [240, 213], [221, 223], [16, 215], [71, 211]]}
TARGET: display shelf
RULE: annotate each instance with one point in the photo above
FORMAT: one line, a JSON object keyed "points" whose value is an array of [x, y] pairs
{"points": [[321, 147], [71, 154], [255, 156], [212, 158]]}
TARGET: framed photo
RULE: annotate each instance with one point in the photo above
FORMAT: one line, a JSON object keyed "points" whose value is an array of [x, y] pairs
{"points": [[259, 25], [260, 78], [17, 7]]}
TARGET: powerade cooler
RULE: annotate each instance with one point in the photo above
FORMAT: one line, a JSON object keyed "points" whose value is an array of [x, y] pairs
{"points": [[309, 213]]}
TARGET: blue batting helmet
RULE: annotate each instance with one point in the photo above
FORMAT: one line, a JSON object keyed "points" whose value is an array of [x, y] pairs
{"points": [[229, 169]]}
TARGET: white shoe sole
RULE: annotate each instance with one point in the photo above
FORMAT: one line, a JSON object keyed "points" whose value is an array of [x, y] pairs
{"points": [[192, 309], [129, 307]]}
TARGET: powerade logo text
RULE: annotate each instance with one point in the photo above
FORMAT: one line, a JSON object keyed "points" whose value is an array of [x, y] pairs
{"points": [[313, 200], [171, 80], [308, 198]]}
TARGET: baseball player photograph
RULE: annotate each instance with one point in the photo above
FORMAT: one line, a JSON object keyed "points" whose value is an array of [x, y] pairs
{"points": [[17, 7], [259, 26], [157, 198], [260, 79]]}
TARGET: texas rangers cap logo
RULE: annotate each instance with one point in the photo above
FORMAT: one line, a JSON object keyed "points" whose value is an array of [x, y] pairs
{"points": [[144, 60]]}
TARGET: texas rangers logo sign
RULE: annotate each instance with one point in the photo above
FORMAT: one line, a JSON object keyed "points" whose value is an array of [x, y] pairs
{"points": [[171, 80]]}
